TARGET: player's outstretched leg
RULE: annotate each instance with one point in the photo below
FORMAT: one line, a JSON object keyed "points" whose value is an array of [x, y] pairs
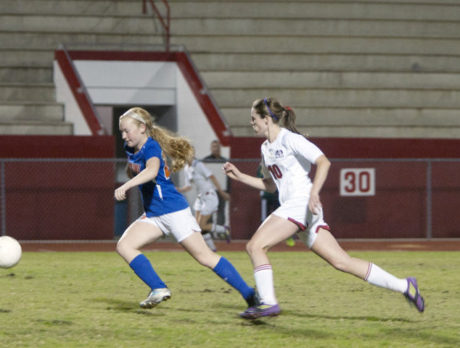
{"points": [[227, 272], [267, 306], [144, 270], [327, 247], [195, 245]]}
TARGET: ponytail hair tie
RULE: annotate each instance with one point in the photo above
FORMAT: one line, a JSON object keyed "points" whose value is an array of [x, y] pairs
{"points": [[288, 108]]}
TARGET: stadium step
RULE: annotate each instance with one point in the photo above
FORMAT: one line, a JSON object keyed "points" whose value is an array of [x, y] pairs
{"points": [[31, 112], [378, 10], [228, 27], [343, 117], [20, 74], [351, 131], [343, 97], [349, 68], [72, 7], [35, 128], [290, 62], [328, 79], [27, 92], [36, 42]]}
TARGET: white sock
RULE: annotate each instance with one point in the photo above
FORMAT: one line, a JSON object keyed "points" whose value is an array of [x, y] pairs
{"points": [[263, 275], [218, 228], [208, 239], [379, 277]]}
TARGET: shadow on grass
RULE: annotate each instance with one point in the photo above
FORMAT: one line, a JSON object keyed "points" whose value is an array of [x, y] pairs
{"points": [[126, 307], [411, 336], [299, 314], [342, 317], [55, 322], [271, 324], [403, 334], [428, 337]]}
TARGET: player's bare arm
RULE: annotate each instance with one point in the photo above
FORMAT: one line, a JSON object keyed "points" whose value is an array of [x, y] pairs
{"points": [[148, 174], [322, 168], [234, 173]]}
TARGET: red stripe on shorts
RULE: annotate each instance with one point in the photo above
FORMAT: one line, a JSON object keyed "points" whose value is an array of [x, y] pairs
{"points": [[325, 227], [299, 225]]}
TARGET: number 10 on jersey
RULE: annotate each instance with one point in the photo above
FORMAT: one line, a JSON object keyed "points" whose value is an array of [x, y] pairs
{"points": [[357, 182]]}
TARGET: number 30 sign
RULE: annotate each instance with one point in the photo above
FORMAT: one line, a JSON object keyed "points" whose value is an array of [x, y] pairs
{"points": [[357, 182]]}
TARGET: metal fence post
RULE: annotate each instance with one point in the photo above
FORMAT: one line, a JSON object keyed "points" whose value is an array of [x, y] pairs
{"points": [[429, 232], [3, 195]]}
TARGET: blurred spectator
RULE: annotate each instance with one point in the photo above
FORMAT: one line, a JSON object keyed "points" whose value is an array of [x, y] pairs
{"points": [[216, 157], [206, 203]]}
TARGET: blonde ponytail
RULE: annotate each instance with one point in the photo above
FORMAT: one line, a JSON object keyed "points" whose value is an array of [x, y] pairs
{"points": [[178, 149]]}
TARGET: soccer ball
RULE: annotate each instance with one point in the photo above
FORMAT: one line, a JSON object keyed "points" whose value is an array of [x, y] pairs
{"points": [[10, 252]]}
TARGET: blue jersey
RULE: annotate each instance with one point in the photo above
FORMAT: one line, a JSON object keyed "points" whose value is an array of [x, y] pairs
{"points": [[160, 196]]}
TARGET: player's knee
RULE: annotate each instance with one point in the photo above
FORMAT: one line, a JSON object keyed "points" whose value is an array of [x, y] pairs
{"points": [[122, 249], [249, 247], [119, 247], [253, 247]]}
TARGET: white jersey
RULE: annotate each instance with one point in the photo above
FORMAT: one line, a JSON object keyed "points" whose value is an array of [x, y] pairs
{"points": [[288, 161], [199, 174]]}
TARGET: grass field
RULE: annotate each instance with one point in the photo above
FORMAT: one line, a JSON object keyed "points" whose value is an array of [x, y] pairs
{"points": [[57, 299]]}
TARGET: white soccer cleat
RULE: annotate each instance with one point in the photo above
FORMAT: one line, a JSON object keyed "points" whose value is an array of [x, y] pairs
{"points": [[155, 297]]}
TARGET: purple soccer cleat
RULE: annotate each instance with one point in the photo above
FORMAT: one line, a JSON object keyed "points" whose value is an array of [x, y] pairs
{"points": [[261, 311], [227, 236], [413, 296]]}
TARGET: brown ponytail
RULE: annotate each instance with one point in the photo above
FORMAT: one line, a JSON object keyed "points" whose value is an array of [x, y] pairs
{"points": [[282, 115]]}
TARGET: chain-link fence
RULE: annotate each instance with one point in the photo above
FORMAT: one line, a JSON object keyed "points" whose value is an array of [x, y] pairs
{"points": [[72, 199]]}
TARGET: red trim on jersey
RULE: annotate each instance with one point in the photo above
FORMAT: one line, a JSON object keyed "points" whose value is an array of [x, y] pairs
{"points": [[299, 225]]}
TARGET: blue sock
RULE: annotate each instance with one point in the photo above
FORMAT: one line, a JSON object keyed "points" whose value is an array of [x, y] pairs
{"points": [[227, 272], [144, 270]]}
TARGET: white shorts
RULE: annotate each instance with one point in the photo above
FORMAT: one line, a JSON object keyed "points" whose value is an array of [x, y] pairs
{"points": [[309, 224], [206, 203], [180, 224]]}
